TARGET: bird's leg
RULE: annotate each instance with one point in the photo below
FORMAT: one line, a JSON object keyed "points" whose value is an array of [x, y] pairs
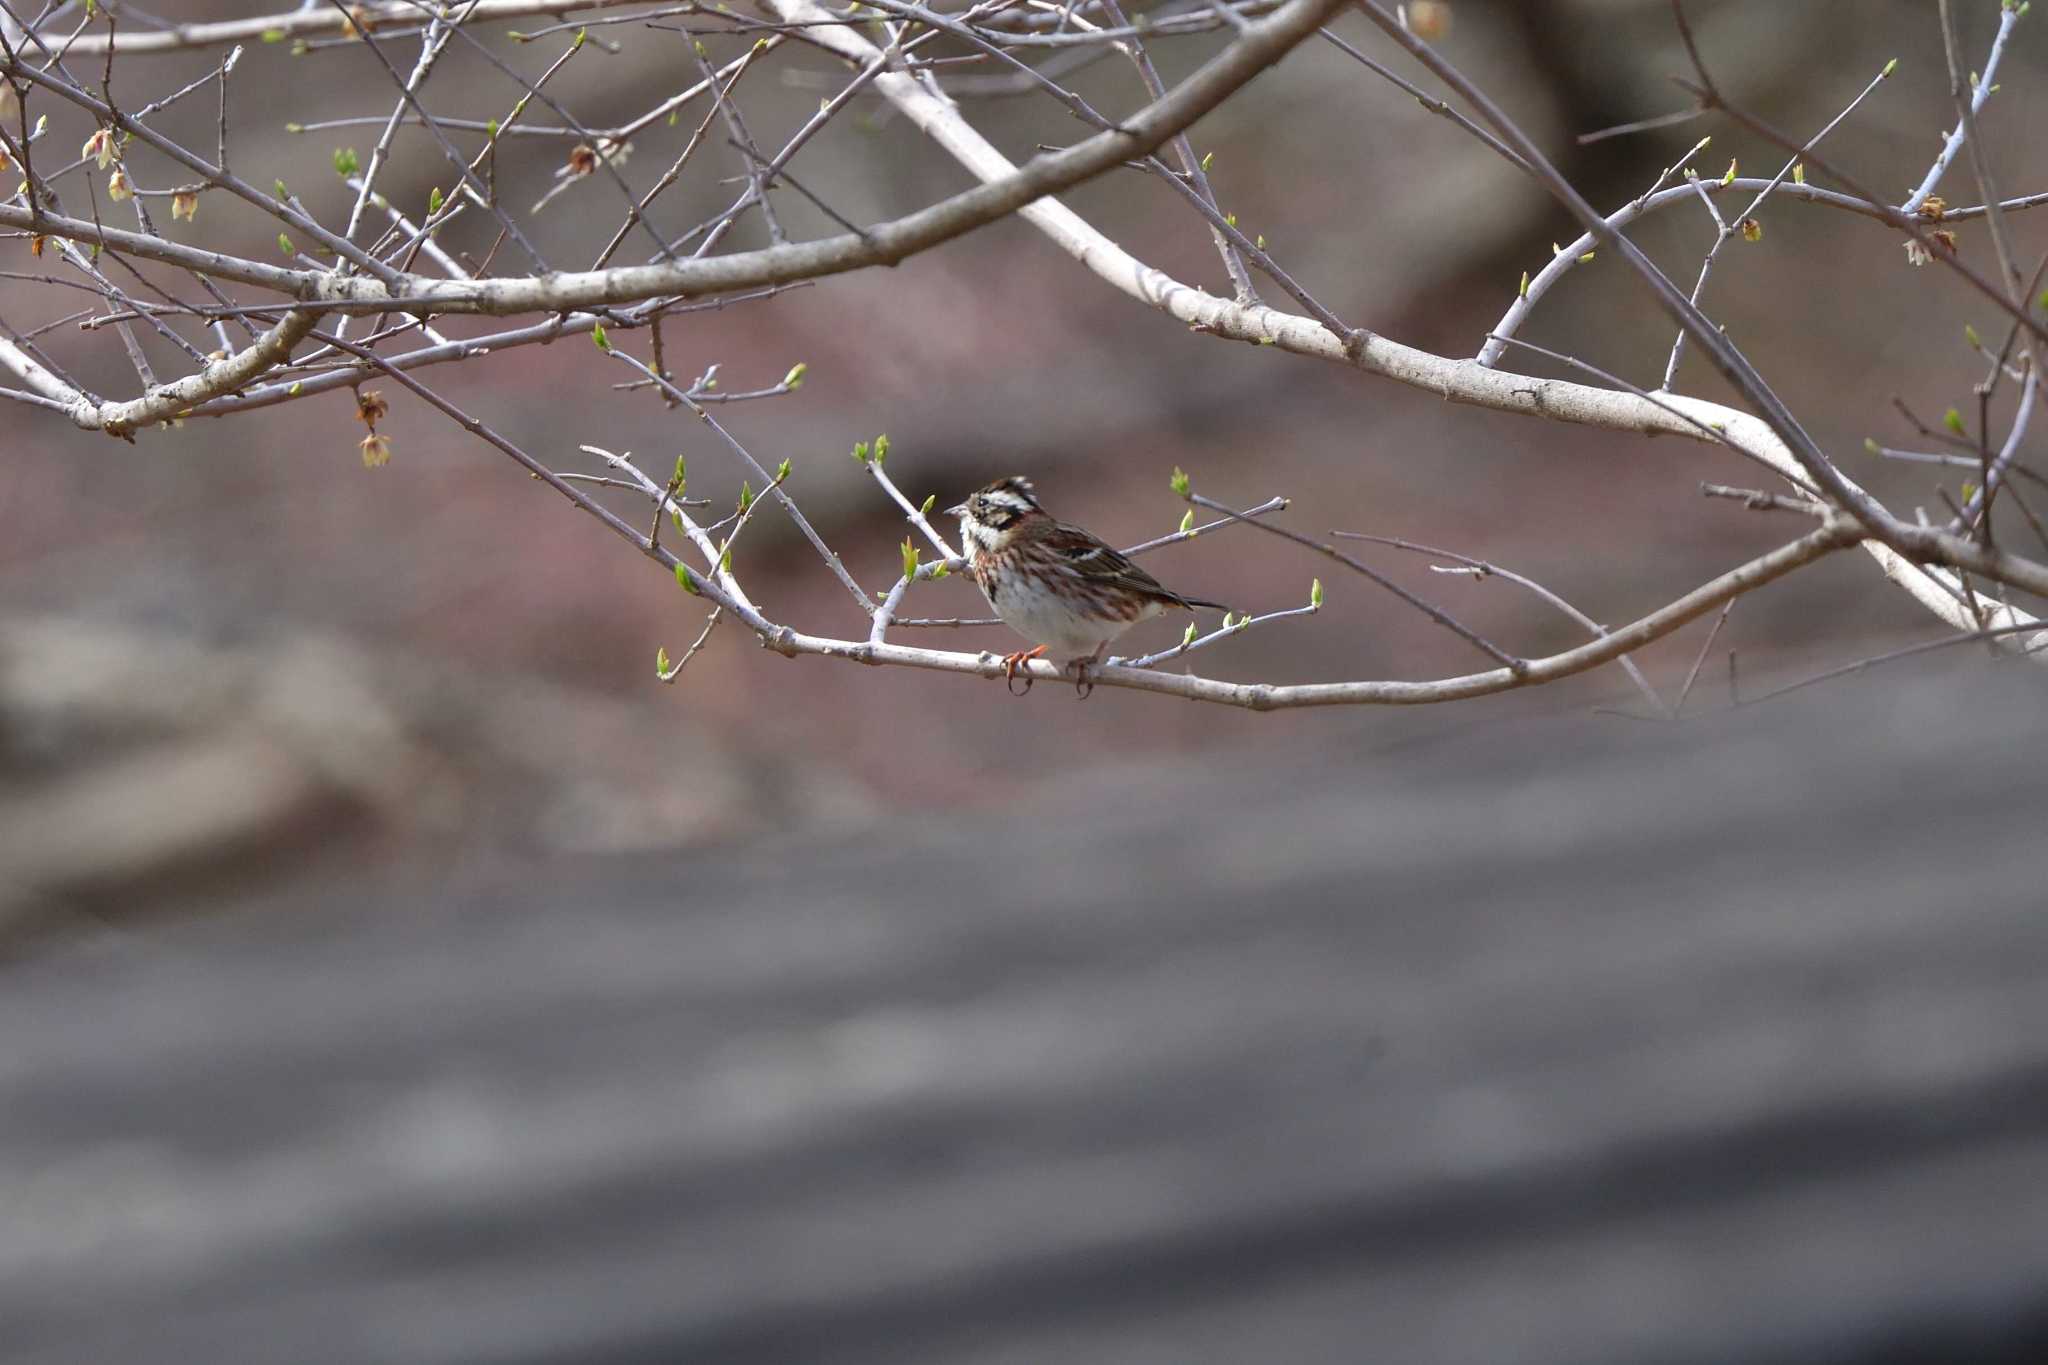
{"points": [[1010, 666], [1082, 686]]}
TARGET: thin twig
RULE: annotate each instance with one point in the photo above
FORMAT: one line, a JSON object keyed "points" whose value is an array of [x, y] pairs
{"points": [[1486, 569], [774, 486], [1946, 641], [1706, 648], [1236, 517], [1194, 642], [1328, 551]]}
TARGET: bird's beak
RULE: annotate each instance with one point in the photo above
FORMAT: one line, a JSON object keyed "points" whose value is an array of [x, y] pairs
{"points": [[958, 509]]}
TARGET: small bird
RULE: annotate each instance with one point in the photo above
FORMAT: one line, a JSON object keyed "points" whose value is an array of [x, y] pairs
{"points": [[1055, 583]]}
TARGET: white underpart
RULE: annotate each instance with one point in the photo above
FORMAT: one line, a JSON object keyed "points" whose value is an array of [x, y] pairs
{"points": [[1043, 618]]}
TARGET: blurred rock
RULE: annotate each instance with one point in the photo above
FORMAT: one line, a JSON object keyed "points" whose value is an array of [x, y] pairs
{"points": [[143, 771]]}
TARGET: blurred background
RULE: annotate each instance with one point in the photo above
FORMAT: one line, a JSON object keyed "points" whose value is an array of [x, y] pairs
{"points": [[385, 946]]}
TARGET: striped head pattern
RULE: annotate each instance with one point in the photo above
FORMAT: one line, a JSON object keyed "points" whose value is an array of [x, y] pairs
{"points": [[992, 513]]}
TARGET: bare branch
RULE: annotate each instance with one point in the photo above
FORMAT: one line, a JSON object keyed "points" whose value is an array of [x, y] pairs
{"points": [[303, 22], [1331, 552], [2008, 20], [166, 400], [1486, 569], [1270, 697]]}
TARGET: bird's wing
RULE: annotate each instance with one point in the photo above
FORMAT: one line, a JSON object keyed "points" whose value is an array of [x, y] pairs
{"points": [[1093, 559]]}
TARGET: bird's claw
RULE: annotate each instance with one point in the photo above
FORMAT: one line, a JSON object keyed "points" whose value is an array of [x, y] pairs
{"points": [[1083, 684], [1011, 663]]}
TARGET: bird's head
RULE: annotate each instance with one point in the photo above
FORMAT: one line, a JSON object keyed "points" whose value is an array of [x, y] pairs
{"points": [[998, 508]]}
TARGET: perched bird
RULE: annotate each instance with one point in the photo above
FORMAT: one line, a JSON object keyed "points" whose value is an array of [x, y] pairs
{"points": [[1052, 582]]}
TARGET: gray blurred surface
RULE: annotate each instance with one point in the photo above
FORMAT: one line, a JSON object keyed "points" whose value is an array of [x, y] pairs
{"points": [[1575, 1040]]}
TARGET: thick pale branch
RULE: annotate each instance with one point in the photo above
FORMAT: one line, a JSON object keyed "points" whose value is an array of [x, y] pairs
{"points": [[303, 23], [1458, 381], [165, 401], [143, 246], [1461, 381], [41, 380], [780, 265], [1257, 48]]}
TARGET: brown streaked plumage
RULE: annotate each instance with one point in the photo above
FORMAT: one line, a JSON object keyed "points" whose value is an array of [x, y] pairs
{"points": [[1053, 582]]}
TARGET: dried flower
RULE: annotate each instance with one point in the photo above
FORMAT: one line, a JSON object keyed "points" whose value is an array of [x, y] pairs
{"points": [[184, 204], [371, 407], [100, 148], [119, 187], [376, 450], [1429, 20], [1934, 208], [582, 159]]}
